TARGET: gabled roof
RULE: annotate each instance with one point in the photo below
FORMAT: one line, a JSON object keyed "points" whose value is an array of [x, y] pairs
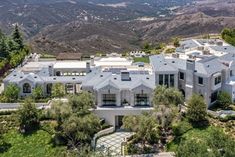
{"points": [[141, 83], [106, 83]]}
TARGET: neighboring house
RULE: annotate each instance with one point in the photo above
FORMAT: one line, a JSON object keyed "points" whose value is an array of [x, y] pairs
{"points": [[122, 87], [137, 54]]}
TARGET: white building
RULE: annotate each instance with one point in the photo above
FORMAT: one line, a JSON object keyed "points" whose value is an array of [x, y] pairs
{"points": [[122, 87]]}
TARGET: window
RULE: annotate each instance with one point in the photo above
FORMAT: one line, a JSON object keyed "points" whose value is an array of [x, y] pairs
{"points": [[161, 79], [109, 99], [214, 96], [181, 75], [69, 88], [218, 80], [58, 73], [166, 79], [200, 80], [172, 80], [141, 100], [26, 88], [49, 88]]}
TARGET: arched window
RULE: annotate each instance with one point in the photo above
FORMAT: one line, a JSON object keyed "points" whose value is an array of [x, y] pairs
{"points": [[26, 88]]}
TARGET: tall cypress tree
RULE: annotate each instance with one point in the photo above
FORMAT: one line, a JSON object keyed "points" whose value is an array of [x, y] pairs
{"points": [[17, 37], [3, 46]]}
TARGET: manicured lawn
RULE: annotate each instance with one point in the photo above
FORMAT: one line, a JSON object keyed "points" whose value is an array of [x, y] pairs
{"points": [[195, 133], [37, 144], [141, 59]]}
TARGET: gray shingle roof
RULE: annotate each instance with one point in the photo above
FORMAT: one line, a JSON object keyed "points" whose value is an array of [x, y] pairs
{"points": [[206, 66], [227, 49], [161, 64]]}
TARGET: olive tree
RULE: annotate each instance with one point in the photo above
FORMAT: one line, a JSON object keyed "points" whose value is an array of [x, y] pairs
{"points": [[28, 116], [145, 126], [167, 96], [197, 109], [165, 102], [76, 123]]}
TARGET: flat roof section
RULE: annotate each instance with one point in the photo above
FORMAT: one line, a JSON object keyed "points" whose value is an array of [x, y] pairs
{"points": [[70, 64]]}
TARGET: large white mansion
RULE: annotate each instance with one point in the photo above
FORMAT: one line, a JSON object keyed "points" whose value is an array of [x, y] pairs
{"points": [[122, 87]]}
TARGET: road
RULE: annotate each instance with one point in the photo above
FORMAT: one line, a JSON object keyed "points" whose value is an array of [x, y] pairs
{"points": [[15, 106]]}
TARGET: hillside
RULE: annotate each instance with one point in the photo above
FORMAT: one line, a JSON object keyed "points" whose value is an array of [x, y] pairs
{"points": [[90, 38], [93, 26]]}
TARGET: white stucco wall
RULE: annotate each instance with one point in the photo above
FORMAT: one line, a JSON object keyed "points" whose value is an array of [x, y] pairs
{"points": [[109, 113]]}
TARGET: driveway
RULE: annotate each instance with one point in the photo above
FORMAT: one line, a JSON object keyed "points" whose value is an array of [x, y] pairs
{"points": [[112, 143]]}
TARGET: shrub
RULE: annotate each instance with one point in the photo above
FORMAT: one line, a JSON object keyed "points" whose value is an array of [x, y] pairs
{"points": [[224, 99], [197, 109], [11, 93], [28, 116], [181, 128], [38, 92]]}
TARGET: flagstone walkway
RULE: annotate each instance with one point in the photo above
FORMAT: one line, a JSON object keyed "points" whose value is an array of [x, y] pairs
{"points": [[112, 143]]}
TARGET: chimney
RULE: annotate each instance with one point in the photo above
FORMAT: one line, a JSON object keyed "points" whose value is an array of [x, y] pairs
{"points": [[125, 76], [50, 69], [189, 78], [88, 67], [175, 55], [92, 60]]}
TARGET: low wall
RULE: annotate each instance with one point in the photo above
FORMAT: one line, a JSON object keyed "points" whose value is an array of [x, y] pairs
{"points": [[101, 133]]}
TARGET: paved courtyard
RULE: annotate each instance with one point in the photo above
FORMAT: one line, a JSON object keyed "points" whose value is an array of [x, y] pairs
{"points": [[112, 143]]}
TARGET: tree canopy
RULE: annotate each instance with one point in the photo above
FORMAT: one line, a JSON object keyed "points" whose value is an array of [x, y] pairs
{"points": [[17, 37], [229, 35], [13, 49], [145, 126], [38, 92], [28, 116], [58, 90], [11, 93], [197, 109], [176, 42], [167, 96], [76, 124], [224, 99]]}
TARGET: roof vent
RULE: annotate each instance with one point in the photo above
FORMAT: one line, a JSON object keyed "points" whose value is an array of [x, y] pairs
{"points": [[21, 76], [54, 78], [173, 61], [208, 66], [14, 75], [101, 75], [73, 78], [35, 77], [115, 78], [147, 78], [165, 63]]}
